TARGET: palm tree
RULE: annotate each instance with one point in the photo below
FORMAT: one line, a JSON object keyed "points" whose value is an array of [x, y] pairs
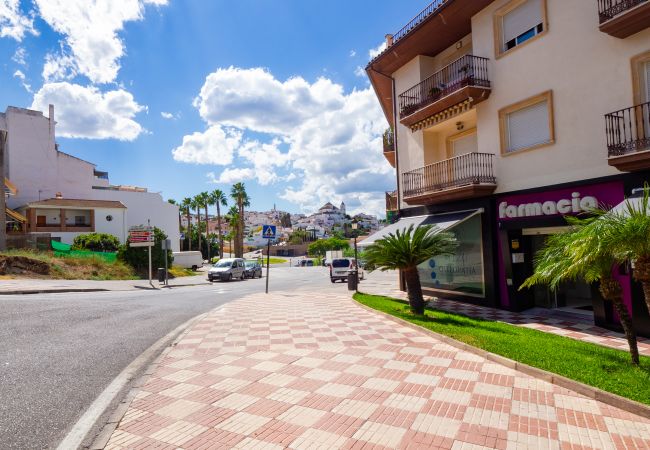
{"points": [[218, 198], [234, 222], [186, 206], [204, 201], [405, 250], [171, 201], [581, 253], [627, 234], [197, 204], [238, 193]]}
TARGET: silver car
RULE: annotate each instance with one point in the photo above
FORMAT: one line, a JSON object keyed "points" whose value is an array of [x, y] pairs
{"points": [[227, 269]]}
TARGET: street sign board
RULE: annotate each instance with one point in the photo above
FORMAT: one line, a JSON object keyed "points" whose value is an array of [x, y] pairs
{"points": [[268, 231], [141, 236], [166, 244]]}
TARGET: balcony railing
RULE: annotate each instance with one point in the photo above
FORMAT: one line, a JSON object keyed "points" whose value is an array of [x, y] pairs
{"points": [[608, 9], [628, 130], [466, 71], [417, 20], [464, 170], [391, 201], [389, 140]]}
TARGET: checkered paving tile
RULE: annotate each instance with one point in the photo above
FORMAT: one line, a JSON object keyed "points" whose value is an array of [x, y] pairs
{"points": [[385, 283], [319, 372]]}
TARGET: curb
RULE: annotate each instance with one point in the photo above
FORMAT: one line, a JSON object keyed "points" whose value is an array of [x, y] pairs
{"points": [[101, 439], [591, 392], [51, 291]]}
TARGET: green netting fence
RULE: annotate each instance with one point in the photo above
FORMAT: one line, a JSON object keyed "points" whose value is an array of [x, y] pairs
{"points": [[63, 250]]}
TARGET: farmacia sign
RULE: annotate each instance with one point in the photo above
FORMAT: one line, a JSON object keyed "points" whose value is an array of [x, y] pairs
{"points": [[576, 204]]}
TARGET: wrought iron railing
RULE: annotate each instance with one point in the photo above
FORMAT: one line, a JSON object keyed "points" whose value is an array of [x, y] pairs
{"points": [[391, 201], [467, 70], [628, 130], [608, 9], [463, 170], [419, 18], [389, 140]]}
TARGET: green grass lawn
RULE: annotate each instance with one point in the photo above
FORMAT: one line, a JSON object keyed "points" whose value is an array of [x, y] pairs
{"points": [[604, 368], [273, 260]]}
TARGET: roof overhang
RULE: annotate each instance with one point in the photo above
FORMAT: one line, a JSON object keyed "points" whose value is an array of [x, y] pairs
{"points": [[447, 25]]}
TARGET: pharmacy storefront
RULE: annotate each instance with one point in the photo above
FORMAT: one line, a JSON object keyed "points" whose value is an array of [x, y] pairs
{"points": [[524, 221]]}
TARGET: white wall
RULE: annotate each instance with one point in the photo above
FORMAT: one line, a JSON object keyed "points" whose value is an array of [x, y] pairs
{"points": [[144, 206], [589, 73]]}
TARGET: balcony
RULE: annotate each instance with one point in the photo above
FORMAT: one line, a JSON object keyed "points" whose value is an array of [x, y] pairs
{"points": [[464, 81], [465, 176], [623, 18], [389, 146], [628, 138]]}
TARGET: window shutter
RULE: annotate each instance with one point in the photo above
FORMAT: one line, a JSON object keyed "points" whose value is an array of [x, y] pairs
{"points": [[528, 127], [466, 144], [521, 19]]}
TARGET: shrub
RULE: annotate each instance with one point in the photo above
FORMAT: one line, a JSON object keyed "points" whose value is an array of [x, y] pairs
{"points": [[96, 242]]}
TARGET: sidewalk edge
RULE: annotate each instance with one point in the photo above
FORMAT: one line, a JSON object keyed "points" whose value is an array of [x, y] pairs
{"points": [[591, 392]]}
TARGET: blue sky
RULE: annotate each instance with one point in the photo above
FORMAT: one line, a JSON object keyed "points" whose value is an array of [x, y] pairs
{"points": [[183, 96]]}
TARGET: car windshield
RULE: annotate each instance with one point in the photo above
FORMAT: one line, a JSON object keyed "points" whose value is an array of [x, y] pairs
{"points": [[223, 263], [341, 263], [250, 263]]}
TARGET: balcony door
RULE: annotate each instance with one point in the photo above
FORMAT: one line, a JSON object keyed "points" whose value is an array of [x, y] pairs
{"points": [[459, 145]]}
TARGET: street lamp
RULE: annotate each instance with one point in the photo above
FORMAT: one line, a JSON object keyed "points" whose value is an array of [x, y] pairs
{"points": [[355, 226]]}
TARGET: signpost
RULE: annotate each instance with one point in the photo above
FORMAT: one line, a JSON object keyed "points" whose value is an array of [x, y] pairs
{"points": [[166, 245], [268, 233], [142, 236]]}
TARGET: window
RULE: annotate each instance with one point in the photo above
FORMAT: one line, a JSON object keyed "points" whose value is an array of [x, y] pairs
{"points": [[518, 22], [527, 124], [80, 220], [641, 78]]}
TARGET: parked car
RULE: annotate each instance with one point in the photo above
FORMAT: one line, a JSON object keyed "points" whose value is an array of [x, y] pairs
{"points": [[188, 260], [227, 269], [252, 269], [341, 266]]}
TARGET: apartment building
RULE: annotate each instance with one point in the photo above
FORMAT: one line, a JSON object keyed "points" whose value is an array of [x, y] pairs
{"points": [[506, 116]]}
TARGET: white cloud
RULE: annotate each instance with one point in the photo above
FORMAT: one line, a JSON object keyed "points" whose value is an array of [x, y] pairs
{"points": [[255, 100], [13, 23], [327, 140], [373, 52], [20, 56], [215, 145], [230, 176], [360, 71], [90, 30], [353, 53], [86, 112], [21, 76], [59, 67], [168, 115]]}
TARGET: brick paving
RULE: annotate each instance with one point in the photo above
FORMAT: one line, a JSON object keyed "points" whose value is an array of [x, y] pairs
{"points": [[316, 371], [549, 321]]}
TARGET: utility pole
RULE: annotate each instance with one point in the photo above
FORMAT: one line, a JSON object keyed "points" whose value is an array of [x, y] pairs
{"points": [[3, 213]]}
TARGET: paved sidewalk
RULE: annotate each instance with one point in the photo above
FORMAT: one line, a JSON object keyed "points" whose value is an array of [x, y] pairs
{"points": [[319, 372], [10, 286], [573, 326]]}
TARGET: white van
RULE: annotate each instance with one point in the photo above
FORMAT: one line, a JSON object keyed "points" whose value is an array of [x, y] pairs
{"points": [[339, 269], [188, 260]]}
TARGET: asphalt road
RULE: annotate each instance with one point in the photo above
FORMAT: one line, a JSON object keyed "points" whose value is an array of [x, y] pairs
{"points": [[59, 351]]}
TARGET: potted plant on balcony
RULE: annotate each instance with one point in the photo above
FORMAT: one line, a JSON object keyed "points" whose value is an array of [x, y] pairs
{"points": [[434, 91]]}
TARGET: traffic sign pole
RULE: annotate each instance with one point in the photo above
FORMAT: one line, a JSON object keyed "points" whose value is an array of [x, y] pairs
{"points": [[268, 257]]}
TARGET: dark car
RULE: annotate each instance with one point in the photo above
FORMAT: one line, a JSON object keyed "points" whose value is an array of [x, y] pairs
{"points": [[252, 269]]}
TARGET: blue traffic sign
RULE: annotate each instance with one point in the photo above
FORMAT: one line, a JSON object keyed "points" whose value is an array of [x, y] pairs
{"points": [[268, 231]]}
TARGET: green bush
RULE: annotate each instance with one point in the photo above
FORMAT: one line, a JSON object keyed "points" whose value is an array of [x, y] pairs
{"points": [[137, 257], [96, 242]]}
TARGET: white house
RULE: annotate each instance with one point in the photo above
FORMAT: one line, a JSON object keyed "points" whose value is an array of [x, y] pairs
{"points": [[39, 170]]}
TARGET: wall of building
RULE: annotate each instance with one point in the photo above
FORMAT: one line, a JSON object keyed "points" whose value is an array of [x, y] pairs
{"points": [[589, 73], [143, 207]]}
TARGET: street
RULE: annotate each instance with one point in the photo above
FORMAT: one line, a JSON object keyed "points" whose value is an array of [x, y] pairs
{"points": [[59, 351]]}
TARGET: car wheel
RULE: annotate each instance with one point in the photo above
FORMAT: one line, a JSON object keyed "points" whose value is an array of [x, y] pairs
{"points": [[194, 268], [332, 280], [230, 277]]}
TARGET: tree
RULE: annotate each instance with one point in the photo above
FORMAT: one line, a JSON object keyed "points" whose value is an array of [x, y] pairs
{"points": [[285, 220], [96, 242], [171, 201], [405, 250], [218, 198], [197, 205], [186, 207], [242, 200], [234, 224], [582, 252], [322, 246], [204, 200], [627, 235]]}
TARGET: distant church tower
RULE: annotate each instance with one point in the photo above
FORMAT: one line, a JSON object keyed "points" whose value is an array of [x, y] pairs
{"points": [[342, 208]]}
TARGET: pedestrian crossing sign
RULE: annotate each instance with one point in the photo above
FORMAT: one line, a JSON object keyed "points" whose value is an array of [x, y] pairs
{"points": [[268, 231]]}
